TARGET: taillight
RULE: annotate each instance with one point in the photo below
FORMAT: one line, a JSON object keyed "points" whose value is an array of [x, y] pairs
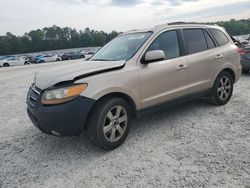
{"points": [[242, 51]]}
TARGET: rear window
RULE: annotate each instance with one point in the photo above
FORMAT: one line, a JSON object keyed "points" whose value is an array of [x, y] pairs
{"points": [[219, 36], [210, 42], [195, 40]]}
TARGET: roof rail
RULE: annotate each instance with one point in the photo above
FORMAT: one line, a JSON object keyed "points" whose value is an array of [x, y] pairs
{"points": [[162, 25], [131, 30], [187, 23]]}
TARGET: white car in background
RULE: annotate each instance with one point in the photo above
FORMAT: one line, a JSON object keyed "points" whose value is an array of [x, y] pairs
{"points": [[49, 58], [13, 61]]}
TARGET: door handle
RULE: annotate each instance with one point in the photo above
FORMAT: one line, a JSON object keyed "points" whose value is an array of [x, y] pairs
{"points": [[219, 56], [181, 67]]}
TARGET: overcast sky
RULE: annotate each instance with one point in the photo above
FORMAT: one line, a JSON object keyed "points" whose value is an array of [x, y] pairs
{"points": [[20, 16]]}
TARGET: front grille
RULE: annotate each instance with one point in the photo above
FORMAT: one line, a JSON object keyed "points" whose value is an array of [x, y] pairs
{"points": [[33, 96]]}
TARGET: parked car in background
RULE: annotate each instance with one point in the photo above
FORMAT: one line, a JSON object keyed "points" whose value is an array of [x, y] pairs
{"points": [[2, 57], [47, 58], [137, 72], [72, 55], [38, 58], [245, 58], [13, 61], [32, 59], [6, 56], [88, 52], [236, 42]]}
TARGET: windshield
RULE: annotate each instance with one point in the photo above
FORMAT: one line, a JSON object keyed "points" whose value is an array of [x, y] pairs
{"points": [[121, 48]]}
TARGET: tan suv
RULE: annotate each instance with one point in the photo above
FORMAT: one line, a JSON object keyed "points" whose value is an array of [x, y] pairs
{"points": [[138, 71]]}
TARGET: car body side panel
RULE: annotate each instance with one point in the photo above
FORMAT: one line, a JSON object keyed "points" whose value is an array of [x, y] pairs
{"points": [[119, 81], [205, 66], [231, 60], [201, 70], [162, 81], [13, 61]]}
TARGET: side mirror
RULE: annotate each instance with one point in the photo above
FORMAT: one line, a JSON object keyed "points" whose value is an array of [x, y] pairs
{"points": [[153, 56]]}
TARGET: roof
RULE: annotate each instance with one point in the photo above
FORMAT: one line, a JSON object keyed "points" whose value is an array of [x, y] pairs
{"points": [[159, 28]]}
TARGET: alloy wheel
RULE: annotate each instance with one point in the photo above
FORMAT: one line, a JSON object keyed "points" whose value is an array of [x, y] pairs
{"points": [[224, 88], [115, 123]]}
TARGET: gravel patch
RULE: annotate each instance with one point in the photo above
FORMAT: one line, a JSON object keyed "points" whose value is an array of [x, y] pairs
{"points": [[190, 145]]}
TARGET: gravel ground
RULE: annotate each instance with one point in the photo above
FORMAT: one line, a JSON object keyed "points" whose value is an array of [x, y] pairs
{"points": [[190, 145]]}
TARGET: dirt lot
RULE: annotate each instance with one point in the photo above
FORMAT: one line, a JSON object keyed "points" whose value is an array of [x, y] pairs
{"points": [[191, 145]]}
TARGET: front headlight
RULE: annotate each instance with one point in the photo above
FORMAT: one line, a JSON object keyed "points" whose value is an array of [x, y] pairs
{"points": [[61, 95]]}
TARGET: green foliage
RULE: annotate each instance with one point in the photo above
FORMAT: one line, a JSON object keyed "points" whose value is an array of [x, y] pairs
{"points": [[233, 27], [53, 38]]}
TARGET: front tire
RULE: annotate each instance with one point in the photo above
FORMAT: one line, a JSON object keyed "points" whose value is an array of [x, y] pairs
{"points": [[6, 65], [109, 123], [222, 89]]}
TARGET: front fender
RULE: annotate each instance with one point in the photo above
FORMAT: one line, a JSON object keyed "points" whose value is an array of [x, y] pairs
{"points": [[97, 94]]}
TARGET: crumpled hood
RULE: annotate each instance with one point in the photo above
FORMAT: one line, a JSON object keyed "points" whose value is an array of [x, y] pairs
{"points": [[73, 71]]}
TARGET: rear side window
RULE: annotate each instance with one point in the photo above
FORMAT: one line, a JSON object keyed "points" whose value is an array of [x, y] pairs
{"points": [[195, 40], [210, 42], [167, 42], [219, 36]]}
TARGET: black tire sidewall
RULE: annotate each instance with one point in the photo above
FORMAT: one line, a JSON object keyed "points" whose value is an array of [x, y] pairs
{"points": [[97, 120], [6, 65], [216, 85]]}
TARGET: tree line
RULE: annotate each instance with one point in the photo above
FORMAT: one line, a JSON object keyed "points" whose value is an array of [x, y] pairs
{"points": [[236, 27], [54, 38]]}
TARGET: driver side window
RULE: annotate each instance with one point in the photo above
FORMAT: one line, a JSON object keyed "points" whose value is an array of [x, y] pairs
{"points": [[167, 42]]}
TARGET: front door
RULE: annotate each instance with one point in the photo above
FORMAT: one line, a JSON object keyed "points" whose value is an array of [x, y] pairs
{"points": [[164, 80]]}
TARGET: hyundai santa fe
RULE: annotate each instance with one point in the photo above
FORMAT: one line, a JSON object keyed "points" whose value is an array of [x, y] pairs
{"points": [[136, 72]]}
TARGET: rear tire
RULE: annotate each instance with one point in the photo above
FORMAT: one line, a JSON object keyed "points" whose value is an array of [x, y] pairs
{"points": [[69, 58], [109, 123], [6, 65], [222, 89]]}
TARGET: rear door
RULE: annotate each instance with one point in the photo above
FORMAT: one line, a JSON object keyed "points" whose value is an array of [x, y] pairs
{"points": [[202, 59], [167, 79]]}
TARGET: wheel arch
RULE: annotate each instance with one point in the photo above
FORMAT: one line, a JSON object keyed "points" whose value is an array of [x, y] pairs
{"points": [[229, 70], [124, 96], [7, 64]]}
